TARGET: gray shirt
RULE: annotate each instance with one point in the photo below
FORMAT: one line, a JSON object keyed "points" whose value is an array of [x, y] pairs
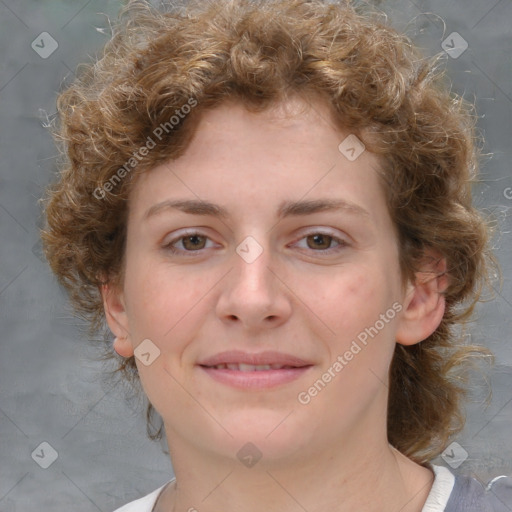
{"points": [[449, 493], [469, 495]]}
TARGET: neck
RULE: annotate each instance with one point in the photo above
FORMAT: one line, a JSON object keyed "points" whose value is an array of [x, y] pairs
{"points": [[371, 476]]}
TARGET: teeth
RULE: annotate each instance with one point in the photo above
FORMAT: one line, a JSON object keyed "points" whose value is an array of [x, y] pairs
{"points": [[252, 368], [242, 367]]}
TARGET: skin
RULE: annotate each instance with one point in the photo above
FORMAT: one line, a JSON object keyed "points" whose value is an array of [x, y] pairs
{"points": [[331, 454]]}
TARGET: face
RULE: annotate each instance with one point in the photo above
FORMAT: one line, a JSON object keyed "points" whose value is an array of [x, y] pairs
{"points": [[262, 265]]}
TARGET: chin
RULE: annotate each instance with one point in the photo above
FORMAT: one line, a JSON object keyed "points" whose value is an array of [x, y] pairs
{"points": [[271, 434]]}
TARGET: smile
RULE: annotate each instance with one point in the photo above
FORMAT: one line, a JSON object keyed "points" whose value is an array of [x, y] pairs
{"points": [[249, 377], [252, 371], [242, 367]]}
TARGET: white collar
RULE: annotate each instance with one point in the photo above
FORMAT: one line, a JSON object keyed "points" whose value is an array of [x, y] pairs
{"points": [[441, 489]]}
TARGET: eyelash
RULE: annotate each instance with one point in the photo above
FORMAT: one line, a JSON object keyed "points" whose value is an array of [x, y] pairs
{"points": [[170, 246]]}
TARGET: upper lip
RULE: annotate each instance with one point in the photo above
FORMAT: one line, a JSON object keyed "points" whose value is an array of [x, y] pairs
{"points": [[260, 358]]}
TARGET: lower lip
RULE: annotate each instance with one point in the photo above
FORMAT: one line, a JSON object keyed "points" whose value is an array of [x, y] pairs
{"points": [[257, 379]]}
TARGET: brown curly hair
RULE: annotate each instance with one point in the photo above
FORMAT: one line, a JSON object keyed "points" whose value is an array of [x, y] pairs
{"points": [[378, 86]]}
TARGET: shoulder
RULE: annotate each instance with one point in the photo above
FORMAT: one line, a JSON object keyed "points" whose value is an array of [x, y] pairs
{"points": [[469, 495], [144, 504]]}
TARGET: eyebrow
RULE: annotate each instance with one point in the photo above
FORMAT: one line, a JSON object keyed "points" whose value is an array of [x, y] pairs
{"points": [[286, 209]]}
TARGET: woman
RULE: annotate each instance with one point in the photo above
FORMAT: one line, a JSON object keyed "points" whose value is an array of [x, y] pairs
{"points": [[269, 204]]}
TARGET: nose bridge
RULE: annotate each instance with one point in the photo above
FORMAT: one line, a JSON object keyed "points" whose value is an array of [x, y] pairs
{"points": [[252, 277], [252, 292]]}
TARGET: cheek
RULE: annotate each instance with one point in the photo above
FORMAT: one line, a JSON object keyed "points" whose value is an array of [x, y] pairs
{"points": [[357, 294], [159, 297], [352, 306], [164, 306]]}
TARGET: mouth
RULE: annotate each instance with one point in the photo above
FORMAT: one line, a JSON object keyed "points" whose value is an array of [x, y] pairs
{"points": [[254, 371], [242, 367]]}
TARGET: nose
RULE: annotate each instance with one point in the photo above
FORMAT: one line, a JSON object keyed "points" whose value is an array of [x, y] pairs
{"points": [[254, 294]]}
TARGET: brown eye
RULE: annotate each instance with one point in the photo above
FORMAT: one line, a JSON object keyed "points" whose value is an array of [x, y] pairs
{"points": [[191, 244], [319, 241], [194, 242], [321, 244]]}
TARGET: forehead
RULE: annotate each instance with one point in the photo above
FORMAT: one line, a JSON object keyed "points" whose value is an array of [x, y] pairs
{"points": [[301, 119], [287, 151]]}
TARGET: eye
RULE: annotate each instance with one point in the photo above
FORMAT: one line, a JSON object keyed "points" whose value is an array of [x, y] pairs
{"points": [[323, 242], [189, 242]]}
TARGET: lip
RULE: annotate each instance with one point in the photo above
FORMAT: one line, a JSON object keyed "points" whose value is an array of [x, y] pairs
{"points": [[256, 358], [255, 379]]}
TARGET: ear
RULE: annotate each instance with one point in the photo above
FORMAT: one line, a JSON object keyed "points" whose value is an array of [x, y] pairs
{"points": [[117, 319], [424, 303]]}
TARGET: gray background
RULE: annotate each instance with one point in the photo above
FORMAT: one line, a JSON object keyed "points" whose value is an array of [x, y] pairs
{"points": [[51, 387]]}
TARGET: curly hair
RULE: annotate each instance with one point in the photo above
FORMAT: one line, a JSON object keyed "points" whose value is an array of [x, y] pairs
{"points": [[378, 86]]}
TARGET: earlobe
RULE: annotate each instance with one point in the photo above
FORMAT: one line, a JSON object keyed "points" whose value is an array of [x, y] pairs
{"points": [[115, 314], [122, 346], [424, 303]]}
